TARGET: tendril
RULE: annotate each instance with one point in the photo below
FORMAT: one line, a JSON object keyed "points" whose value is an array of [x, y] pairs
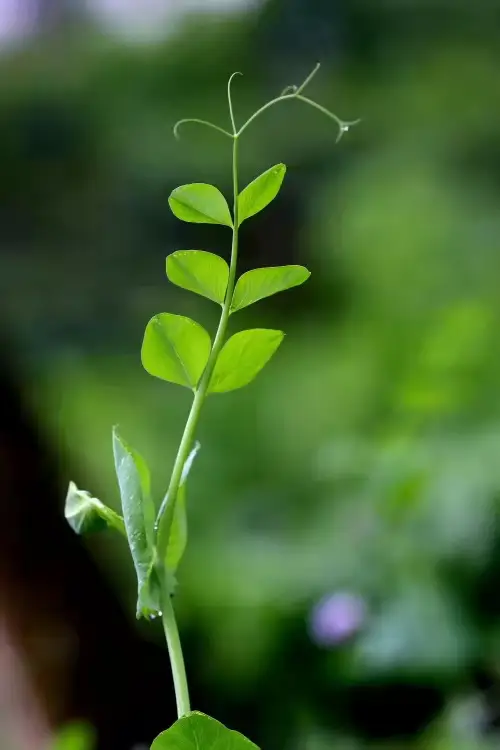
{"points": [[199, 122]]}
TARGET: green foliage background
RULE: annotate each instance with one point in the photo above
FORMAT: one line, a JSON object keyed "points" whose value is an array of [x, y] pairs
{"points": [[366, 456]]}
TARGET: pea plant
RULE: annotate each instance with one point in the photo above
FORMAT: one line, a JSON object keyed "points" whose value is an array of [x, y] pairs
{"points": [[179, 350]]}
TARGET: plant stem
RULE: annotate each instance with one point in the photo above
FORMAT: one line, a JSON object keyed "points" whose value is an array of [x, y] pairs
{"points": [[164, 522], [176, 657]]}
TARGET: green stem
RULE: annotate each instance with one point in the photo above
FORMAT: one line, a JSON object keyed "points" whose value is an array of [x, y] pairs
{"points": [[176, 657], [342, 126], [253, 117], [164, 522]]}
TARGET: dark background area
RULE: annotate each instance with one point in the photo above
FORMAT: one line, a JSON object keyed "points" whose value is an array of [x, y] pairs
{"points": [[363, 463]]}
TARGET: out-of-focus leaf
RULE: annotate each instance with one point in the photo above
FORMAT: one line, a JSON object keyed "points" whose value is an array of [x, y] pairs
{"points": [[418, 631], [76, 736]]}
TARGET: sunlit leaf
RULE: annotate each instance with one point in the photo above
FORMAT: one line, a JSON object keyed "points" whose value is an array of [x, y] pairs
{"points": [[200, 203], [175, 349], [196, 731], [86, 514], [178, 533], [259, 193], [200, 272], [264, 282], [242, 358], [139, 516]]}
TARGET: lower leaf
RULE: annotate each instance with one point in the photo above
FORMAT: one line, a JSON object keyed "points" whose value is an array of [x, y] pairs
{"points": [[197, 731]]}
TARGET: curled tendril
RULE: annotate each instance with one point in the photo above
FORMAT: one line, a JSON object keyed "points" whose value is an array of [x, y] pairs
{"points": [[229, 99], [199, 122], [289, 92]]}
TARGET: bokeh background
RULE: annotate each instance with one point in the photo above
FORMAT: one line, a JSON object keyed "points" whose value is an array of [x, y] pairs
{"points": [[341, 587]]}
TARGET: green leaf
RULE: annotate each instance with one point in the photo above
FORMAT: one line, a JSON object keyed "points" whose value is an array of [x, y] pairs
{"points": [[86, 514], [196, 731], [76, 736], [200, 272], [264, 282], [139, 515], [175, 349], [259, 193], [242, 358], [178, 533], [200, 204]]}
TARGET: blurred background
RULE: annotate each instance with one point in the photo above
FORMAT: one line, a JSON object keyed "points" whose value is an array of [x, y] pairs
{"points": [[341, 587]]}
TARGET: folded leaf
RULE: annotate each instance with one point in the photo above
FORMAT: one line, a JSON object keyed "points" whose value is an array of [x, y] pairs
{"points": [[196, 731], [86, 514], [200, 272], [139, 514], [175, 349], [199, 203], [264, 282], [178, 533], [259, 193], [242, 358]]}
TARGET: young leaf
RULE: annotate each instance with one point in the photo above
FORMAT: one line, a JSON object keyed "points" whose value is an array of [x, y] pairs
{"points": [[264, 282], [139, 514], [178, 533], [199, 203], [200, 272], [242, 358], [197, 731], [175, 349], [259, 193], [85, 513]]}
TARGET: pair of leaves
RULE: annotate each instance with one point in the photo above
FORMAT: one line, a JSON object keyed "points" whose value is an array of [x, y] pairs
{"points": [[200, 203], [197, 731], [139, 517], [177, 349], [208, 274], [85, 513]]}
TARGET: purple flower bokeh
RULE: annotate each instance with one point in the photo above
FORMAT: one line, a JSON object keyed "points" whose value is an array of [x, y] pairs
{"points": [[336, 618]]}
